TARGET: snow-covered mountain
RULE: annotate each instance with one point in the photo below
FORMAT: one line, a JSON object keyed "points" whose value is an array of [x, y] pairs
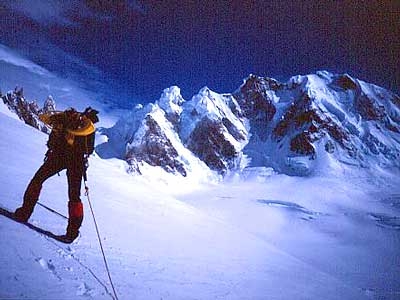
{"points": [[181, 137], [305, 125], [320, 118], [269, 236], [308, 124], [257, 235]]}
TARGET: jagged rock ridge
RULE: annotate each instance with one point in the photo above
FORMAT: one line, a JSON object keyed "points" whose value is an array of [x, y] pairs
{"points": [[28, 111], [288, 126], [292, 127]]}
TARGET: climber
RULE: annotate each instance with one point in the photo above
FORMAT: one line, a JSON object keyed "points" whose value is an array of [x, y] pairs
{"points": [[70, 143]]}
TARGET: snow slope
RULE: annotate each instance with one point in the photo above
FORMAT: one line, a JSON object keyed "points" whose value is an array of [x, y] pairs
{"points": [[38, 83], [258, 236]]}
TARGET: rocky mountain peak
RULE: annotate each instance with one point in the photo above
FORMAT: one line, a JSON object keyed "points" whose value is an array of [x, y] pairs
{"points": [[27, 111], [171, 102], [281, 125], [314, 120]]}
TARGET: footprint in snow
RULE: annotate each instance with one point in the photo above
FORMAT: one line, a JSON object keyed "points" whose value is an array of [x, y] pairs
{"points": [[48, 265], [45, 265], [64, 254], [84, 290]]}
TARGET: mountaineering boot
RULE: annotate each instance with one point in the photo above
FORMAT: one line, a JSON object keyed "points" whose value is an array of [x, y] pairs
{"points": [[68, 238], [22, 214], [75, 219], [31, 196]]}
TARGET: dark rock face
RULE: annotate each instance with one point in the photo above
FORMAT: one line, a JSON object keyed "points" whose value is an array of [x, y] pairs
{"points": [[302, 144], [238, 134], [302, 121], [49, 105], [346, 82], [208, 142], [254, 100], [329, 147], [299, 115], [396, 101], [309, 124], [256, 83], [156, 149], [256, 104], [369, 109]]}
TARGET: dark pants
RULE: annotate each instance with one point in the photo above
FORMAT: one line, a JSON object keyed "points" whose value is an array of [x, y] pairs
{"points": [[56, 162]]}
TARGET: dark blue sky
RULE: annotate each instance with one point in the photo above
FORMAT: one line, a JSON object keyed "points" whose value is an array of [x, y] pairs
{"points": [[146, 46]]}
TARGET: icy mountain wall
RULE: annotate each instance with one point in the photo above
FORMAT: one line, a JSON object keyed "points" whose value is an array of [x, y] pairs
{"points": [[294, 127], [309, 123], [319, 119], [180, 136]]}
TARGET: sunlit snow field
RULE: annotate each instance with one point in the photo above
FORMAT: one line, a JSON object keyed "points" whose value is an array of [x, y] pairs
{"points": [[258, 235]]}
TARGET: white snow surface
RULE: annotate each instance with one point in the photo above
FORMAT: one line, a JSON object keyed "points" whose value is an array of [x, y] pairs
{"points": [[214, 106], [258, 235], [171, 100]]}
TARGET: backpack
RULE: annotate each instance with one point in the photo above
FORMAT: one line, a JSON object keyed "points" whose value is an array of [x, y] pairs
{"points": [[82, 133], [83, 143], [72, 129]]}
